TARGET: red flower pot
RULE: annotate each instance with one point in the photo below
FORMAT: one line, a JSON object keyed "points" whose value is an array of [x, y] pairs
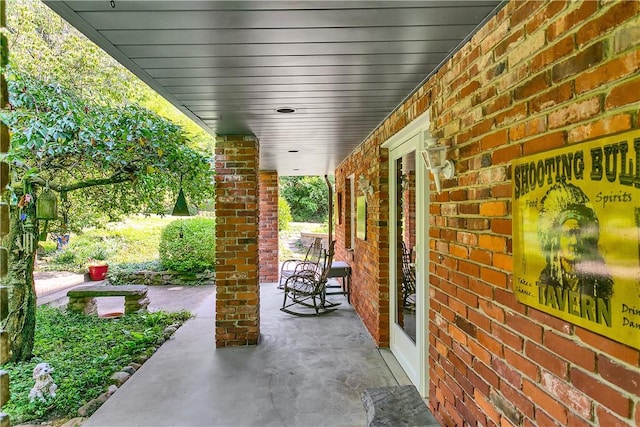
{"points": [[98, 272]]}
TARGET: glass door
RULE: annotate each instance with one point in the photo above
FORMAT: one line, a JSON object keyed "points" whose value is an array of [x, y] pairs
{"points": [[406, 290], [409, 251]]}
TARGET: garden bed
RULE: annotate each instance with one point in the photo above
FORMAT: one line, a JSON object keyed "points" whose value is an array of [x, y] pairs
{"points": [[86, 353], [155, 278]]}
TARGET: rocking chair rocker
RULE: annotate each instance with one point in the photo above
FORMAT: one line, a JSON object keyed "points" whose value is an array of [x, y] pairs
{"points": [[306, 290]]}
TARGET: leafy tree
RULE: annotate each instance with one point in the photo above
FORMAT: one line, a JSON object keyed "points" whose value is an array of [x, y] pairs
{"points": [[307, 197], [47, 47], [105, 157], [284, 214], [110, 159]]}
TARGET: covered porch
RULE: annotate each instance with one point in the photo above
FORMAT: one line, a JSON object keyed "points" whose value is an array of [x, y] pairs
{"points": [[356, 89], [305, 372], [288, 88]]}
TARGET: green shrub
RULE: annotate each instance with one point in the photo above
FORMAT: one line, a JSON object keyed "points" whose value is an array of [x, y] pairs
{"points": [[99, 253], [188, 245], [284, 214], [48, 247], [81, 249], [65, 258]]}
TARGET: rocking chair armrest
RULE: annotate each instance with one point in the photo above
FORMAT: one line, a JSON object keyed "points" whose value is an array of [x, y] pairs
{"points": [[299, 280], [305, 266], [289, 265], [292, 261]]}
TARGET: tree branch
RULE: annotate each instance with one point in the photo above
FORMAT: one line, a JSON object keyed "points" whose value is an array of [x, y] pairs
{"points": [[113, 179]]}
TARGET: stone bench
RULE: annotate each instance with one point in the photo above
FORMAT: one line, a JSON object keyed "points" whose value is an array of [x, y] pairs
{"points": [[83, 299]]}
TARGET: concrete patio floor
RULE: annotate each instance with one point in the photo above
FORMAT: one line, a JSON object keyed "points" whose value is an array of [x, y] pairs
{"points": [[305, 372]]}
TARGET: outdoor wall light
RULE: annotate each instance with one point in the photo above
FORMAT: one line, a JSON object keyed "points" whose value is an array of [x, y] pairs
{"points": [[435, 158], [364, 186]]}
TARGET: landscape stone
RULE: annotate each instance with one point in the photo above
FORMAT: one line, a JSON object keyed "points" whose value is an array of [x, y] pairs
{"points": [[91, 406], [142, 358], [119, 378], [129, 370], [102, 398], [168, 331], [74, 422], [152, 278]]}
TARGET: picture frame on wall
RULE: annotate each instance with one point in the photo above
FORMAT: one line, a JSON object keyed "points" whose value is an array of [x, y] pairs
{"points": [[361, 217]]}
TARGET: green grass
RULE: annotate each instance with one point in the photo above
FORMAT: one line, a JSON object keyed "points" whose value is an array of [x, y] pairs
{"points": [[84, 352], [132, 245], [133, 241]]}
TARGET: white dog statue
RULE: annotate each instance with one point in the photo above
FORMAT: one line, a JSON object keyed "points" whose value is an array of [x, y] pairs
{"points": [[44, 383]]}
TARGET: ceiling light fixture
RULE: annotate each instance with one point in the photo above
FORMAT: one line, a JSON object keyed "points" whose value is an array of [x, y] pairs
{"points": [[285, 110], [293, 151]]}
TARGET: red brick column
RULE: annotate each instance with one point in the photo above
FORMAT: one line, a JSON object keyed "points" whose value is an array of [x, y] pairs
{"points": [[268, 225], [237, 286]]}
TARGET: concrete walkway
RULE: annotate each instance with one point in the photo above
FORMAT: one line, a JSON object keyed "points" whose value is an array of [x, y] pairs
{"points": [[52, 288], [304, 372], [53, 282]]}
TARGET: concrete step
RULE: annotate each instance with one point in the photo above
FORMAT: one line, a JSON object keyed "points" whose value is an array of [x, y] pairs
{"points": [[396, 406]]}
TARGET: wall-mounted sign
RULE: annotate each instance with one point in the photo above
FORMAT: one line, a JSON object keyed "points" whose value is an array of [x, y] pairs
{"points": [[576, 234]]}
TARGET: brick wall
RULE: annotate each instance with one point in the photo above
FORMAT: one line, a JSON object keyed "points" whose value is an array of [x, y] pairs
{"points": [[369, 280], [539, 75], [268, 243], [237, 286]]}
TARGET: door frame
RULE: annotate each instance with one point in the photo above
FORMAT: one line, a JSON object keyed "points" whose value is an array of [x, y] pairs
{"points": [[418, 127]]}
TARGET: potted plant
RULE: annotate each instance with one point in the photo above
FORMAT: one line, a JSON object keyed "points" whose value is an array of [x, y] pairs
{"points": [[97, 269]]}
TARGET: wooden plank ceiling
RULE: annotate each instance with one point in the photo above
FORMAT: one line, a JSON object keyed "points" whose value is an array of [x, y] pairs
{"points": [[342, 66]]}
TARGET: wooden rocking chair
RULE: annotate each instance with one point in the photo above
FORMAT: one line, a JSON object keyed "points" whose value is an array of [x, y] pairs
{"points": [[306, 290], [311, 261], [408, 279]]}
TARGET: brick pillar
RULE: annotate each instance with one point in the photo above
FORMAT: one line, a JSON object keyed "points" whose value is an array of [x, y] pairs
{"points": [[268, 224], [237, 286]]}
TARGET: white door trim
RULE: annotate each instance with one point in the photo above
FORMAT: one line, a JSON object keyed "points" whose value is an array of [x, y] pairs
{"points": [[417, 128]]}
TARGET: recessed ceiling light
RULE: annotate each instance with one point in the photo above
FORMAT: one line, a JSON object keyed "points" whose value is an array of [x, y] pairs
{"points": [[293, 151], [285, 110]]}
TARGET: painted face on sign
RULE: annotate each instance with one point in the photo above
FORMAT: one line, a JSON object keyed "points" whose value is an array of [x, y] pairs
{"points": [[569, 240]]}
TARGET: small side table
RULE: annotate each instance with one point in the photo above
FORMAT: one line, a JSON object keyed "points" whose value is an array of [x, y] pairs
{"points": [[340, 269]]}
